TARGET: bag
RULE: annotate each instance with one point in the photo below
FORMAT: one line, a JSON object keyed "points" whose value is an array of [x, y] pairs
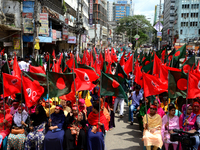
{"points": [[17, 131]]}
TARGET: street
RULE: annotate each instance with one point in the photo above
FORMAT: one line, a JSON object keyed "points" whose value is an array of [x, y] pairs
{"points": [[124, 136]]}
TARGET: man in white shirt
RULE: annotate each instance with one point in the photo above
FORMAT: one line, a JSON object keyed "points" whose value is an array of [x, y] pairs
{"points": [[135, 97], [22, 64]]}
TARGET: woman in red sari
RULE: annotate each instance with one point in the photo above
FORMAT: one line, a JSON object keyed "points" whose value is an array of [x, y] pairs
{"points": [[5, 124], [96, 129]]}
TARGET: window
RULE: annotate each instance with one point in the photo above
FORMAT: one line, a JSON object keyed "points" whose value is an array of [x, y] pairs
{"points": [[191, 24], [181, 31], [199, 31]]}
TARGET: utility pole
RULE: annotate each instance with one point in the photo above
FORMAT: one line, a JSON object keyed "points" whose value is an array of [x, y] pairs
{"points": [[21, 33], [81, 17], [35, 34], [159, 26], [100, 35], [77, 26]]}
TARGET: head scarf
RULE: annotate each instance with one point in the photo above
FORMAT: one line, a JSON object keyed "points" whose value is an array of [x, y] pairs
{"points": [[57, 118], [40, 117], [192, 115], [95, 96], [17, 117], [81, 103], [198, 105]]}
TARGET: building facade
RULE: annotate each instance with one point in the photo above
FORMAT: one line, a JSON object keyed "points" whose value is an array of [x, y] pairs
{"points": [[122, 9], [156, 13], [187, 21], [168, 21], [110, 11]]}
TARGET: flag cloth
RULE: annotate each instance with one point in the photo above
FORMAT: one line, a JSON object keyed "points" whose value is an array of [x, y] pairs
{"points": [[177, 84], [12, 84], [100, 61], [54, 54], [63, 63], [120, 71], [91, 73], [180, 53], [113, 55], [193, 85], [34, 69], [156, 65], [5, 68], [148, 68], [138, 76], [110, 87], [70, 62], [32, 91], [16, 69], [153, 85], [129, 65], [59, 84], [187, 66], [83, 66], [122, 61], [49, 62], [83, 82]]}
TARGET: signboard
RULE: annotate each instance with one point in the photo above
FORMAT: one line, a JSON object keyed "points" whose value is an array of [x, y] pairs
{"points": [[72, 39], [159, 35], [62, 18], [54, 34], [16, 41], [6, 44], [44, 29], [91, 13], [27, 21], [66, 20], [136, 36], [158, 26], [65, 34], [83, 37], [58, 34]]}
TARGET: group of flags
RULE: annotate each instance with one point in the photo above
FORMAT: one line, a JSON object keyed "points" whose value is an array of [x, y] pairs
{"points": [[161, 72], [63, 78]]}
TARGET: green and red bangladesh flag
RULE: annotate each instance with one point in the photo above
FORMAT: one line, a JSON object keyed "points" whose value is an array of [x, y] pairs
{"points": [[110, 87]]}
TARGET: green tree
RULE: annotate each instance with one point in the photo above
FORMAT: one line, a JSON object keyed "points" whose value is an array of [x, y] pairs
{"points": [[131, 24]]}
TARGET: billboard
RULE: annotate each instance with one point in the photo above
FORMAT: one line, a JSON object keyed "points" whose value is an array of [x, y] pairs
{"points": [[91, 13], [44, 29], [27, 21]]}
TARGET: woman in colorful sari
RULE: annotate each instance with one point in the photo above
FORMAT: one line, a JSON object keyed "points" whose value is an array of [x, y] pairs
{"points": [[160, 111], [75, 137], [97, 129], [66, 109], [36, 137], [167, 127], [5, 124], [152, 129], [187, 122], [54, 137], [17, 136]]}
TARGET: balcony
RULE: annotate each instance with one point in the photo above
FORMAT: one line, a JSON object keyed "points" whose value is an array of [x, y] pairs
{"points": [[55, 5]]}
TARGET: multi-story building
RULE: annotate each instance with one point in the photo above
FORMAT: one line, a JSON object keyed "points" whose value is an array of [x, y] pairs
{"points": [[110, 10], [186, 24], [168, 21], [122, 9]]}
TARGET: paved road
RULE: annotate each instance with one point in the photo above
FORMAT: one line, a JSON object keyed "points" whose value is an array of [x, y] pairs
{"points": [[124, 136]]}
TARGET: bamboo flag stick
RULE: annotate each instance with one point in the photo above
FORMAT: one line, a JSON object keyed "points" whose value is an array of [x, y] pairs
{"points": [[48, 95], [21, 97], [3, 102], [187, 95], [100, 97]]}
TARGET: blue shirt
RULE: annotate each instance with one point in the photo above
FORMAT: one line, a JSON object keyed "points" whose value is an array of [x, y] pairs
{"points": [[136, 98]]}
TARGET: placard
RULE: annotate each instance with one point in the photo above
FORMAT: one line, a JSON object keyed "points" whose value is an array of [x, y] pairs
{"points": [[44, 29]]}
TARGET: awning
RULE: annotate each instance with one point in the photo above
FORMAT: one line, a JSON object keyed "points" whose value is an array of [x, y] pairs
{"points": [[4, 27]]}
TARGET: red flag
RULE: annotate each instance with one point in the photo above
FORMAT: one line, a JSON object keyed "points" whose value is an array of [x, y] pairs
{"points": [[16, 69], [84, 58], [108, 70], [95, 51], [129, 65], [55, 67], [91, 59], [138, 75], [129, 54], [96, 66], [12, 84], [32, 91], [70, 62], [153, 85], [122, 61], [60, 59], [83, 81], [184, 59], [197, 69], [34, 69], [108, 56], [193, 85], [91, 73], [163, 55], [156, 65], [2, 52], [101, 61], [53, 54], [113, 55], [87, 58], [78, 58]]}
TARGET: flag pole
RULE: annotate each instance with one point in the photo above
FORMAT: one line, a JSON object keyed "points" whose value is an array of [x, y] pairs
{"points": [[48, 95], [187, 95], [168, 101], [21, 97], [146, 113], [132, 69], [3, 101], [100, 97]]}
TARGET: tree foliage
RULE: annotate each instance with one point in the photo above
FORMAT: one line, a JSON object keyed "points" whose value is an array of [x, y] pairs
{"points": [[129, 24]]}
